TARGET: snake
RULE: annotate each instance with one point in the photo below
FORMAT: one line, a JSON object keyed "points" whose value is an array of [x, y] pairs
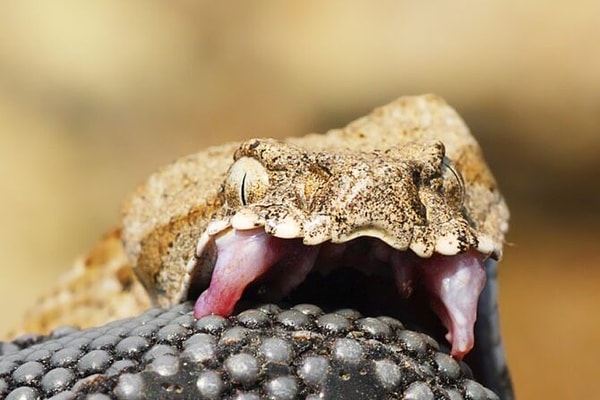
{"points": [[396, 214]]}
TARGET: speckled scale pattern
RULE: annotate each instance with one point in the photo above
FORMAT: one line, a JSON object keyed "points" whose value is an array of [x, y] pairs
{"points": [[265, 352]]}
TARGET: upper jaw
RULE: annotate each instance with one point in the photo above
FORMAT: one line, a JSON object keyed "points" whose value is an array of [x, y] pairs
{"points": [[450, 238]]}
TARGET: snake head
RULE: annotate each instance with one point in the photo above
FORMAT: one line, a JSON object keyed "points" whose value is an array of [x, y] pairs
{"points": [[402, 196], [409, 197]]}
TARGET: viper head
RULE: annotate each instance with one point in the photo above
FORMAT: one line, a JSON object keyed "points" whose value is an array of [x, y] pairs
{"points": [[397, 214]]}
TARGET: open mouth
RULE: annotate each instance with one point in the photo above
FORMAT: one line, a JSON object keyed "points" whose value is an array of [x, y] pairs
{"points": [[398, 232], [437, 295], [396, 214]]}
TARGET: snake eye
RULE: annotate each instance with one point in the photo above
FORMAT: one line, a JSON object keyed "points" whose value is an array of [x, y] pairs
{"points": [[456, 189], [246, 183]]}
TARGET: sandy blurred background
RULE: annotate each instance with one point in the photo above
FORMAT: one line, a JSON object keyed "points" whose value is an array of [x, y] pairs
{"points": [[93, 97]]}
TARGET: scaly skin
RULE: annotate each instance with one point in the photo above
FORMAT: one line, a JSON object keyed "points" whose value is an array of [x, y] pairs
{"points": [[409, 174], [299, 352]]}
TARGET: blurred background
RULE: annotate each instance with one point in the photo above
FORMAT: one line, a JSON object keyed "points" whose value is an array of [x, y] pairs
{"points": [[95, 96]]}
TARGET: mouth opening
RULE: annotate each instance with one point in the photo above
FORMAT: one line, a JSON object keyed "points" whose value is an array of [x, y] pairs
{"points": [[436, 295], [347, 287]]}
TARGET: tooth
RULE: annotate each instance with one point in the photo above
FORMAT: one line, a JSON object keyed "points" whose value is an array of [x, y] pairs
{"points": [[287, 228], [455, 284], [447, 244], [242, 257], [244, 220], [421, 249], [485, 245]]}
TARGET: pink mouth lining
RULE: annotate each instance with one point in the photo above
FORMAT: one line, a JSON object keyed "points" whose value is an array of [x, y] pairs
{"points": [[244, 256]]}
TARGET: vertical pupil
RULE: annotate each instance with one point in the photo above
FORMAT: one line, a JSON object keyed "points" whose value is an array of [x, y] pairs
{"points": [[243, 189]]}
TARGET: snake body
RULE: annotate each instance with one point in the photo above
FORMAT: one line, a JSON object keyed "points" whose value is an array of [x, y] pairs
{"points": [[264, 352]]}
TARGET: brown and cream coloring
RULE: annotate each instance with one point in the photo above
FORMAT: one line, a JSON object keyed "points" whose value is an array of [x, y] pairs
{"points": [[403, 192], [407, 180]]}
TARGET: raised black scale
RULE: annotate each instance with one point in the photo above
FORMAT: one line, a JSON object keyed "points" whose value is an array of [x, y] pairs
{"points": [[264, 352]]}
